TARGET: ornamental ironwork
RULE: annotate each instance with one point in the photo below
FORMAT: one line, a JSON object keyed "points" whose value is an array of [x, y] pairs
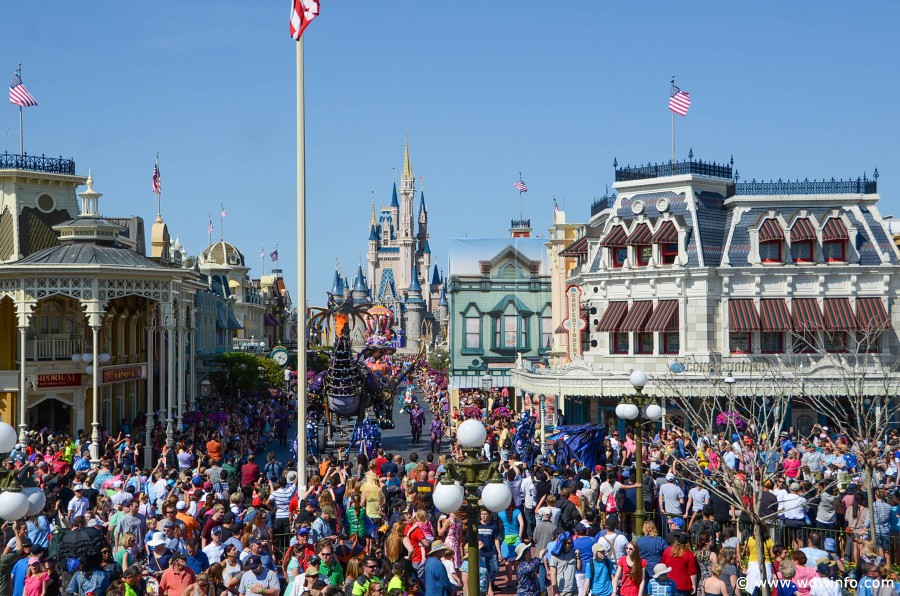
{"points": [[37, 163], [807, 187], [520, 223], [691, 166], [602, 203]]}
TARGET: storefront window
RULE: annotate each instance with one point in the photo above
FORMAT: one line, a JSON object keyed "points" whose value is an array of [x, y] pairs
{"points": [[739, 342], [643, 343], [618, 343], [771, 342]]}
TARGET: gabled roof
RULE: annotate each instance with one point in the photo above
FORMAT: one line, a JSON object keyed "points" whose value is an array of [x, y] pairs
{"points": [[513, 299]]}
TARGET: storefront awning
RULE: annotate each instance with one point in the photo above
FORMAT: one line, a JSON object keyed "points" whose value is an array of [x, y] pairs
{"points": [[221, 317], [636, 320], [640, 236], [616, 238], [871, 315], [806, 314], [271, 321], [233, 322], [665, 233], [774, 315], [802, 230], [834, 230], [665, 317], [770, 230], [839, 315], [612, 317], [498, 380], [576, 249], [742, 315]]}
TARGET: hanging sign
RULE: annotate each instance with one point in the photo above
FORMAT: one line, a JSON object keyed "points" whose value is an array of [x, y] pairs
{"points": [[118, 375], [574, 324], [48, 381]]}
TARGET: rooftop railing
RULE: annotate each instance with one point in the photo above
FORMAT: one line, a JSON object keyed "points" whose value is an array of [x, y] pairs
{"points": [[698, 167], [37, 163], [807, 187]]}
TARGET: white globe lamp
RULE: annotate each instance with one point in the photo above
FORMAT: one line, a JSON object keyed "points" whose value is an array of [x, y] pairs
{"points": [[76, 358], [448, 498], [8, 438], [471, 434], [87, 357], [496, 496], [104, 358], [89, 369], [36, 499], [13, 505], [627, 411], [638, 379], [653, 412]]}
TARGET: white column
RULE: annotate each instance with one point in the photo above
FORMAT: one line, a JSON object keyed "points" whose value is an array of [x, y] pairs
{"points": [[151, 332], [23, 389], [95, 399], [192, 404], [182, 370], [170, 386]]}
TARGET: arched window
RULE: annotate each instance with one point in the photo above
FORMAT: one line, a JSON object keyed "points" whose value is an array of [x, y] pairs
{"points": [[771, 239]]}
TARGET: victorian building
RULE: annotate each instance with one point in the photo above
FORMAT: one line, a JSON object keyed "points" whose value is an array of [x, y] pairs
{"points": [[689, 273]]}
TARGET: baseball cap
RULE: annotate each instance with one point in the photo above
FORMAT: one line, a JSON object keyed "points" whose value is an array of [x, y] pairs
{"points": [[254, 561], [823, 568], [830, 545], [78, 487], [795, 486], [216, 530], [310, 570], [180, 505], [303, 532], [670, 477], [677, 522], [178, 555], [597, 547]]}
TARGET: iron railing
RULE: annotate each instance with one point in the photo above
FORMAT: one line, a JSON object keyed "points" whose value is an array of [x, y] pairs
{"points": [[35, 163], [602, 203], [520, 223], [807, 187], [698, 167]]}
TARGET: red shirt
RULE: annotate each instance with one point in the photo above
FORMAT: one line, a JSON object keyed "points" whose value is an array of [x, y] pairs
{"points": [[416, 536], [249, 474], [683, 568], [378, 462]]}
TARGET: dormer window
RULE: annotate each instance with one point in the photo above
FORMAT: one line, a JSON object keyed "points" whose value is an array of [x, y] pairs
{"points": [[834, 241], [666, 236], [641, 240], [771, 238], [803, 237], [616, 241]]}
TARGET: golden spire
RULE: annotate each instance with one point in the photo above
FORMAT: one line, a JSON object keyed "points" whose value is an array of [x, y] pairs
{"points": [[373, 208], [407, 167]]}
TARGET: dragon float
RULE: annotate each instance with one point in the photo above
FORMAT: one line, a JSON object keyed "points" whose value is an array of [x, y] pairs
{"points": [[351, 386]]}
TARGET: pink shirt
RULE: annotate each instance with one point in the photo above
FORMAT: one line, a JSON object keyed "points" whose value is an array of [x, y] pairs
{"points": [[34, 584], [791, 468]]}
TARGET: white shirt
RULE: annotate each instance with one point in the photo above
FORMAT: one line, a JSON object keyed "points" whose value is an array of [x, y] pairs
{"points": [[529, 491], [699, 498], [792, 507], [213, 552], [822, 586], [78, 506]]}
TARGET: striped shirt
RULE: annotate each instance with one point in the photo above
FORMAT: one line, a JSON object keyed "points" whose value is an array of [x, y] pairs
{"points": [[281, 498]]}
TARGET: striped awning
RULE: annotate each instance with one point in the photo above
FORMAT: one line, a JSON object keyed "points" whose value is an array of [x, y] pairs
{"points": [[770, 231], [665, 316], [640, 236], [839, 315], [612, 317], [806, 314], [665, 233], [834, 230], [576, 249], [637, 317], [871, 315], [743, 316], [802, 230], [616, 238], [774, 315]]}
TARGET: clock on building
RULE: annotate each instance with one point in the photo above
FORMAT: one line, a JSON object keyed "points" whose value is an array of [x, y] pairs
{"points": [[280, 356]]}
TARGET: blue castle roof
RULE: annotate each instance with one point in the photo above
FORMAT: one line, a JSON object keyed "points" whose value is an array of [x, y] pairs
{"points": [[373, 234], [359, 284], [337, 286], [394, 201], [443, 299], [414, 283]]}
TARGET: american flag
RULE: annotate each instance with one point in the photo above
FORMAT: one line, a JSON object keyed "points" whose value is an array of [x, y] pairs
{"points": [[157, 185], [210, 228], [224, 213], [274, 254], [262, 253], [18, 94], [679, 101], [302, 14], [520, 186]]}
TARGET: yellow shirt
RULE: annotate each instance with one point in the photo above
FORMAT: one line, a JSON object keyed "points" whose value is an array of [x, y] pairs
{"points": [[751, 548]]}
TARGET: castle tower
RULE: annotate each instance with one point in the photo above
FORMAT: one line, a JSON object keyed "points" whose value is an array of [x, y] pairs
{"points": [[422, 236], [443, 311], [406, 239], [415, 311], [337, 286], [360, 289]]}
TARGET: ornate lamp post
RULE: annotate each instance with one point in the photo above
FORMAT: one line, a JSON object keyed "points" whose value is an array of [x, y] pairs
{"points": [[630, 409], [17, 499], [463, 481]]}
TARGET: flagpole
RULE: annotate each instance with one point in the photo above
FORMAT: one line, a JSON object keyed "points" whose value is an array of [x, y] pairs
{"points": [[263, 257], [673, 128], [301, 274], [221, 222], [520, 201], [209, 231], [21, 132]]}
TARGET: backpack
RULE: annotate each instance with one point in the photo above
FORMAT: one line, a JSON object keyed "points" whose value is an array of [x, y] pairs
{"points": [[273, 471]]}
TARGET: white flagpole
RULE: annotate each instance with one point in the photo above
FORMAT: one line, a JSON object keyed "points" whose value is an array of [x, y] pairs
{"points": [[21, 132], [301, 274], [673, 127]]}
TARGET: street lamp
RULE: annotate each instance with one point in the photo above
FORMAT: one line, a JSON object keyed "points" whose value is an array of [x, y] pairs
{"points": [[16, 500], [630, 409], [463, 481]]}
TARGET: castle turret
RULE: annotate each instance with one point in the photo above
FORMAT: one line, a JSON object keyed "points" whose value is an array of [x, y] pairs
{"points": [[360, 289], [443, 310], [415, 311], [337, 286]]}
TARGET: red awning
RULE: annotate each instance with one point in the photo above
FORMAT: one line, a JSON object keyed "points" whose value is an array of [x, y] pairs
{"points": [[665, 233], [774, 315], [770, 231], [612, 316], [871, 315], [665, 316], [616, 238], [576, 249], [640, 236], [834, 230], [743, 315], [806, 314], [839, 315], [637, 317], [802, 230]]}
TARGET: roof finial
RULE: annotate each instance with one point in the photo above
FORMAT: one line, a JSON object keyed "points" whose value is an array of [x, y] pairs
{"points": [[373, 208], [407, 167]]}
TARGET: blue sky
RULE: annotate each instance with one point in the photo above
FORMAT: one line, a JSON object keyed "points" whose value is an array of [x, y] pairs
{"points": [[488, 89]]}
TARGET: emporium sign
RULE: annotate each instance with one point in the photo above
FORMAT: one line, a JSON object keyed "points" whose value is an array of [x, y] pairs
{"points": [[123, 374], [48, 381]]}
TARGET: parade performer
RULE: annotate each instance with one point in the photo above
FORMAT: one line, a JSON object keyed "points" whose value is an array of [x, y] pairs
{"points": [[416, 421]]}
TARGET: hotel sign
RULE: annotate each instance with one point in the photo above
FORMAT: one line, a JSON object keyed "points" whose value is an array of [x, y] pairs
{"points": [[48, 381], [119, 375]]}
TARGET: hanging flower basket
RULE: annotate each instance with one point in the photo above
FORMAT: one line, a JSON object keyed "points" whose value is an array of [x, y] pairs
{"points": [[731, 419]]}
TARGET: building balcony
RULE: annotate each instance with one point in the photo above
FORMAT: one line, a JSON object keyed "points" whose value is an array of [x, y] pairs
{"points": [[242, 344], [55, 348]]}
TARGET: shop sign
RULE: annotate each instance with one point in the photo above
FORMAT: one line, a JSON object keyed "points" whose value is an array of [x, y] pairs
{"points": [[50, 380], [718, 368], [549, 410], [123, 374]]}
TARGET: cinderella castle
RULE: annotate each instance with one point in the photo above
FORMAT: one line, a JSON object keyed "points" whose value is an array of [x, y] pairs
{"points": [[400, 274]]}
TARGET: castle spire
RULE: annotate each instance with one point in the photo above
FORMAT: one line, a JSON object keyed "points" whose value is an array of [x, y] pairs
{"points": [[373, 208], [407, 166]]}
